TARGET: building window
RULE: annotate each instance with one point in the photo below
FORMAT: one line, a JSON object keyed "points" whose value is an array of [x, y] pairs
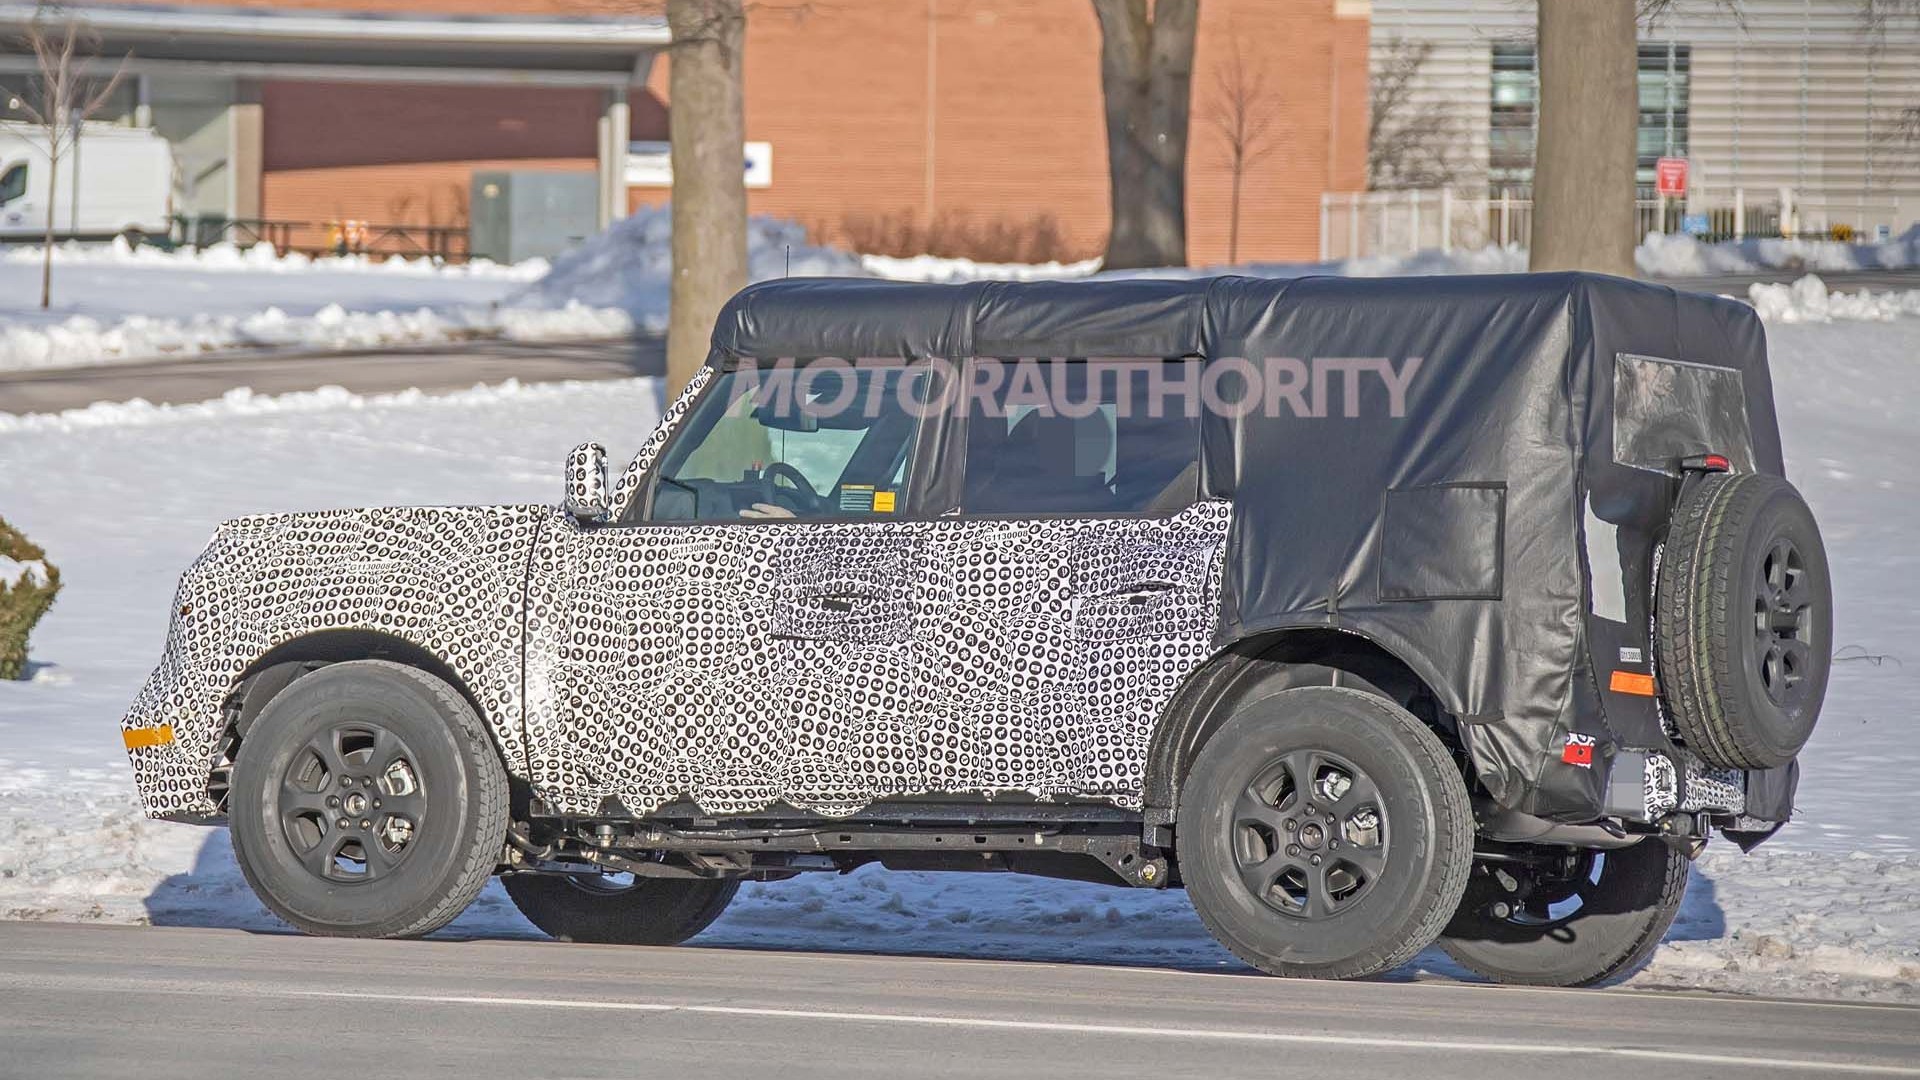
{"points": [[1665, 71]]}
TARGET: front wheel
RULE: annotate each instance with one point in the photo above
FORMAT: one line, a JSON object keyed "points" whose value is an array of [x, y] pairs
{"points": [[1558, 916], [619, 909], [368, 802], [1324, 832]]}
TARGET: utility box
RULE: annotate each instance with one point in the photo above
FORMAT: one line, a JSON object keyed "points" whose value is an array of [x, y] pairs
{"points": [[530, 213]]}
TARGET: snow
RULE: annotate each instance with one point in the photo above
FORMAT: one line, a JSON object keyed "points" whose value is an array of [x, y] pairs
{"points": [[1809, 300], [18, 572], [261, 258], [118, 304], [1826, 908], [941, 270], [628, 266], [1672, 255]]}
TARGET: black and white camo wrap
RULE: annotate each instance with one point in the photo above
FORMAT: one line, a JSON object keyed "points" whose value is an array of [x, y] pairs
{"points": [[1707, 788], [820, 665], [826, 666], [450, 580]]}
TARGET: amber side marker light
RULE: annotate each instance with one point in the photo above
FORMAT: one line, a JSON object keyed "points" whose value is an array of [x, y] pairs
{"points": [[140, 738], [1631, 682]]}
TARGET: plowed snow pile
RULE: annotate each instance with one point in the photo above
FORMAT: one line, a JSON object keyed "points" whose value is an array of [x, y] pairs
{"points": [[123, 496]]}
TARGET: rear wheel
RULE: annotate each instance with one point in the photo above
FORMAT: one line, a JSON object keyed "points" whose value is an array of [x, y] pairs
{"points": [[1324, 832], [1555, 916], [368, 802], [619, 909]]}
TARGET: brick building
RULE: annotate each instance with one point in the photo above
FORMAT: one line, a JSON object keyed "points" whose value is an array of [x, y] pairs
{"points": [[882, 119]]}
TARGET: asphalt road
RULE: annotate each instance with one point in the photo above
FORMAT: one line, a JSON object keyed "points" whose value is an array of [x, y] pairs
{"points": [[453, 367], [101, 1001], [1736, 284], [442, 367]]}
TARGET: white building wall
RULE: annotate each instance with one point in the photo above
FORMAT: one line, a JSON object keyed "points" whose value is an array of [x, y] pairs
{"points": [[1792, 93]]}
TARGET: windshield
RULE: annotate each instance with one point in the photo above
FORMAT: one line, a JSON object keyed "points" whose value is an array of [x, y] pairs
{"points": [[813, 442]]}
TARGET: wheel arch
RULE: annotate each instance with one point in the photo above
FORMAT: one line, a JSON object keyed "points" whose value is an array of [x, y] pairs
{"points": [[277, 668], [1304, 656]]}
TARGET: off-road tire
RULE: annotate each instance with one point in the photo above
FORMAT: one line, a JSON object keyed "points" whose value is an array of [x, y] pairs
{"points": [[1714, 646], [653, 911], [1620, 923], [1426, 836], [463, 802]]}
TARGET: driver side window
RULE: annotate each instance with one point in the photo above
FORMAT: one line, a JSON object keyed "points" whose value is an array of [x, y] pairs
{"points": [[817, 442]]}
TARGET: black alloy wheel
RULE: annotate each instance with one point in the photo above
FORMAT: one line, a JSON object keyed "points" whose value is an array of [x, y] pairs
{"points": [[351, 802], [1310, 834]]}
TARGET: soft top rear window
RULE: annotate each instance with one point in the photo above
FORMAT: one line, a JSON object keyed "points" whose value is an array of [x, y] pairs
{"points": [[1667, 410]]}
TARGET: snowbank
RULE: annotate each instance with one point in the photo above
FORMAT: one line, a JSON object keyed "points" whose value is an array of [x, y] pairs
{"points": [[262, 259], [1826, 908], [125, 304], [628, 266], [1809, 300], [1671, 255], [243, 402], [935, 268], [82, 341]]}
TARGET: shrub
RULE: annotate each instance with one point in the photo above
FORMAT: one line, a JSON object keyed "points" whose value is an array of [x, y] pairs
{"points": [[28, 584], [1036, 239]]}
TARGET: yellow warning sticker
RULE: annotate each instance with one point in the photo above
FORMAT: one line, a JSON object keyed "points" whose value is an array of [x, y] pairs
{"points": [[139, 738], [883, 502]]}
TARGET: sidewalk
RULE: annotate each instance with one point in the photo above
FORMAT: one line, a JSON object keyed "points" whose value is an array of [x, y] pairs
{"points": [[448, 367]]}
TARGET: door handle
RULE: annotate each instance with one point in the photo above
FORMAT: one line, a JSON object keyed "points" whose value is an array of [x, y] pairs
{"points": [[1145, 591], [837, 603]]}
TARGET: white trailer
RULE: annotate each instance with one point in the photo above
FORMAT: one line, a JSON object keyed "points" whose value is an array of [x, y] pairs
{"points": [[112, 180]]}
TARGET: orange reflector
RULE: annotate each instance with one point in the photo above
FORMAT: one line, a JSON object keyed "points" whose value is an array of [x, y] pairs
{"points": [[1631, 682], [137, 738]]}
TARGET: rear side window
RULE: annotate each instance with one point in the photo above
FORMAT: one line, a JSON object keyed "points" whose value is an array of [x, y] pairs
{"points": [[1666, 410], [1081, 437], [13, 183]]}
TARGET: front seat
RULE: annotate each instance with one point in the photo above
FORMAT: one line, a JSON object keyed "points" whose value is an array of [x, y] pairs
{"points": [[1047, 463]]}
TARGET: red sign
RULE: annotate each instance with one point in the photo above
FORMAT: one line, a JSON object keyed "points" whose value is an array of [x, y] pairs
{"points": [[1670, 176]]}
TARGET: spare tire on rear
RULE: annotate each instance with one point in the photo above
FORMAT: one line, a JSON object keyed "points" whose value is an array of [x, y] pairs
{"points": [[1743, 620]]}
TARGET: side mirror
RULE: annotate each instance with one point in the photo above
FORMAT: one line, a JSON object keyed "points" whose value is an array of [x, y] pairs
{"points": [[587, 482]]}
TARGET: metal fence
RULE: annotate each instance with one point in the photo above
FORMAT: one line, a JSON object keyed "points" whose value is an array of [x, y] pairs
{"points": [[1366, 223], [447, 243]]}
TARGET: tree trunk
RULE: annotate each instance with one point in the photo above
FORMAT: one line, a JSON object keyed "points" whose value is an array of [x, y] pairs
{"points": [[708, 132], [1146, 77], [53, 198], [1233, 218], [1583, 173]]}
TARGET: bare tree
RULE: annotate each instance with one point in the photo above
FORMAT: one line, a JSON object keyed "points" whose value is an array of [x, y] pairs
{"points": [[1878, 18], [1146, 79], [1411, 142], [1583, 179], [707, 133], [58, 99], [1241, 111]]}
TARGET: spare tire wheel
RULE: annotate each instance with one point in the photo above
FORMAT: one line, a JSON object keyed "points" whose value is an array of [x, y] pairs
{"points": [[1743, 620]]}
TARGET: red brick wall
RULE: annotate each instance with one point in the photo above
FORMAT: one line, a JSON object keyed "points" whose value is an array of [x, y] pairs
{"points": [[974, 110], [406, 154], [1016, 129]]}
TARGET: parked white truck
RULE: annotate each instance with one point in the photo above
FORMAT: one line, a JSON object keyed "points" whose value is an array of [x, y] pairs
{"points": [[112, 180]]}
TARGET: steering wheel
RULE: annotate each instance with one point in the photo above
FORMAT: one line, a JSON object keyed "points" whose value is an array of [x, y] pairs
{"points": [[772, 492]]}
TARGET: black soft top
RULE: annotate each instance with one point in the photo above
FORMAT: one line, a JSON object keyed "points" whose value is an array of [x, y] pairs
{"points": [[1492, 537]]}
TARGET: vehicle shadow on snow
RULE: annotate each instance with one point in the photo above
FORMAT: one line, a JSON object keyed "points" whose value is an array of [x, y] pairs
{"points": [[875, 912]]}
